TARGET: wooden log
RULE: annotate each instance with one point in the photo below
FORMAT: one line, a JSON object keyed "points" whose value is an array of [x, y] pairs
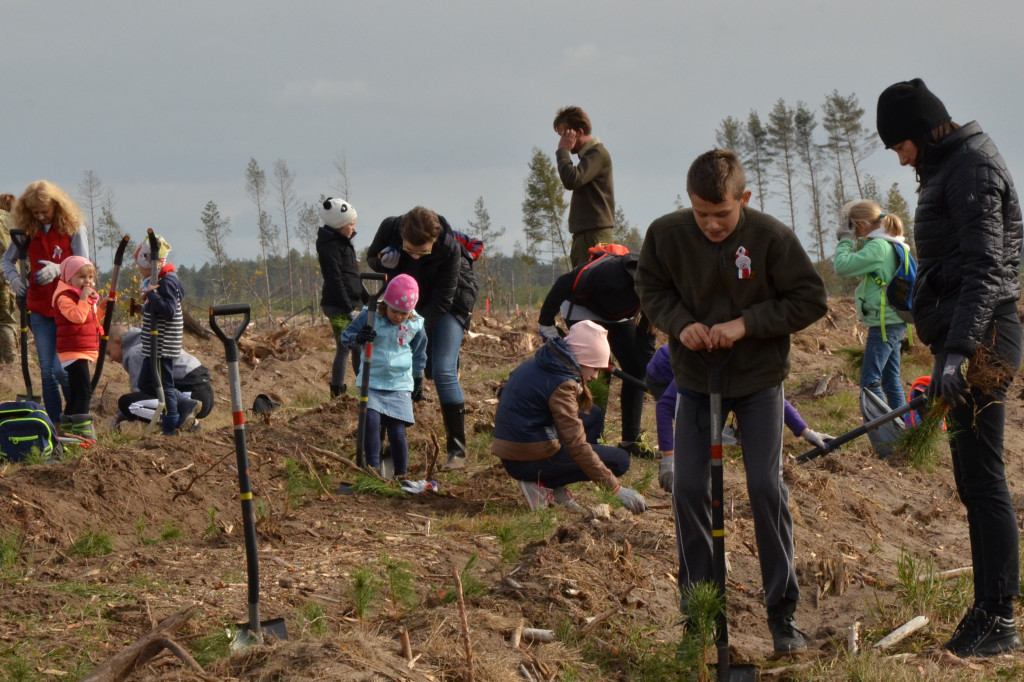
{"points": [[122, 664], [901, 633], [538, 635]]}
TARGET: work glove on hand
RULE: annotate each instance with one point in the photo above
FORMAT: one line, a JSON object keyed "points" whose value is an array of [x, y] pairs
{"points": [[631, 499], [352, 314], [389, 257], [818, 440], [666, 472], [953, 380], [366, 335], [19, 287], [417, 389], [47, 273], [844, 232], [548, 331]]}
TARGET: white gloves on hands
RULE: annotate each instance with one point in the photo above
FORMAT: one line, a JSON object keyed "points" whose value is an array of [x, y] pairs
{"points": [[666, 472], [818, 440], [631, 499], [49, 272], [389, 257], [548, 331]]}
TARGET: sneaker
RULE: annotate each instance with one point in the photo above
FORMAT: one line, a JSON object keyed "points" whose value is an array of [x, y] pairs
{"points": [[786, 638], [982, 634], [454, 462], [537, 496], [188, 409], [562, 497]]}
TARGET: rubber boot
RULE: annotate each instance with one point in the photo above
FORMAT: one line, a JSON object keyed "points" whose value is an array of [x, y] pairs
{"points": [[64, 427], [338, 389], [455, 429], [82, 426]]}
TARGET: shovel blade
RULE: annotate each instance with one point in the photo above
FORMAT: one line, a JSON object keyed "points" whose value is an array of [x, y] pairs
{"points": [[387, 468], [245, 635], [736, 673]]}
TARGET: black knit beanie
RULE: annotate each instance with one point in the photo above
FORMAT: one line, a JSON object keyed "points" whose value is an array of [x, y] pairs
{"points": [[907, 111]]}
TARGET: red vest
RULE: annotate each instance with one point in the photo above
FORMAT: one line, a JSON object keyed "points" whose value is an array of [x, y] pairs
{"points": [[76, 337], [51, 246]]}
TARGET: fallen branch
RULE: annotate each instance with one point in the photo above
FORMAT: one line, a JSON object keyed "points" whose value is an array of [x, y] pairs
{"points": [[465, 626], [946, 575], [597, 620], [853, 638], [538, 635], [901, 633], [122, 664], [186, 489]]}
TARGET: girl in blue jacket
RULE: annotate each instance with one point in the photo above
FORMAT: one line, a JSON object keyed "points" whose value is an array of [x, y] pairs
{"points": [[396, 368]]}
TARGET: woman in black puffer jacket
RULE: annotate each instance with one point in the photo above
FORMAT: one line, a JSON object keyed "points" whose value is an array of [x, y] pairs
{"points": [[968, 231]]}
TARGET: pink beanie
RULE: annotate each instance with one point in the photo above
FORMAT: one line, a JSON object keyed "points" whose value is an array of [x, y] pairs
{"points": [[588, 341], [402, 293], [70, 266]]}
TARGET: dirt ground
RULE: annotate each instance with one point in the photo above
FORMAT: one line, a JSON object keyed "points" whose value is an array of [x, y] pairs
{"points": [[67, 614]]}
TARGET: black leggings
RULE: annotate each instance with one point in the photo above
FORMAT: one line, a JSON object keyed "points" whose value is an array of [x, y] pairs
{"points": [[79, 388]]}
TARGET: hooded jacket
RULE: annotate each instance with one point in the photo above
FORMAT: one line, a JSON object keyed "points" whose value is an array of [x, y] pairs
{"points": [[399, 351], [538, 407], [875, 255], [968, 230], [340, 269], [445, 276]]}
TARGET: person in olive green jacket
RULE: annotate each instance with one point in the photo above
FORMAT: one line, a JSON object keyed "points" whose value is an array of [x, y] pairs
{"points": [[729, 284], [8, 305], [592, 207], [874, 260]]}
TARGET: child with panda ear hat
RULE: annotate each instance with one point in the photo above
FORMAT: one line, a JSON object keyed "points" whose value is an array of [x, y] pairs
{"points": [[342, 295]]}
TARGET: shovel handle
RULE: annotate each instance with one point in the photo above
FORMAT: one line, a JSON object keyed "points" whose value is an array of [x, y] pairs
{"points": [[229, 309], [915, 404]]}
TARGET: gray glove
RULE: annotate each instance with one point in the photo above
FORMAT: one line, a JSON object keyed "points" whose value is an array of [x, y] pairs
{"points": [[19, 287], [631, 499], [818, 440], [389, 257], [954, 385], [47, 273], [548, 331], [666, 472], [843, 233]]}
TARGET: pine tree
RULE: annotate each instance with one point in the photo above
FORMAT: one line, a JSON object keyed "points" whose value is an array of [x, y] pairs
{"points": [[898, 206], [215, 232], [810, 159], [757, 155], [730, 135], [781, 141], [543, 210], [284, 186], [256, 188], [626, 233], [92, 195], [481, 228]]}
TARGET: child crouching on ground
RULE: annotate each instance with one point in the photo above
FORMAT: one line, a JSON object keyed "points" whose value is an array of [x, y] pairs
{"points": [[78, 339], [396, 369]]}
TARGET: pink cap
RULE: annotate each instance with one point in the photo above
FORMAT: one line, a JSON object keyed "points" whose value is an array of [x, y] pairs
{"points": [[588, 341], [70, 266], [402, 293]]}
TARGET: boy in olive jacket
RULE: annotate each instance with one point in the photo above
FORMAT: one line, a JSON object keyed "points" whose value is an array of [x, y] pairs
{"points": [[729, 284]]}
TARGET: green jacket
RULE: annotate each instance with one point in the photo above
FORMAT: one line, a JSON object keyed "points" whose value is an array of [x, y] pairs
{"points": [[684, 278], [874, 257], [592, 206]]}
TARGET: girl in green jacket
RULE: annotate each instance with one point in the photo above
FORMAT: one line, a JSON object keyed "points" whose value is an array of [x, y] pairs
{"points": [[867, 239]]}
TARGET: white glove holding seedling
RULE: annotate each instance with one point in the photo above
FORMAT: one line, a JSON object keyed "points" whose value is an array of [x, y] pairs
{"points": [[818, 440], [666, 471], [389, 257], [49, 272], [631, 499]]}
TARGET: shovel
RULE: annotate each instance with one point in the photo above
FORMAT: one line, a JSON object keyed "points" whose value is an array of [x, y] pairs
{"points": [[915, 404], [20, 238], [253, 631], [726, 672], [372, 283], [154, 334], [108, 317]]}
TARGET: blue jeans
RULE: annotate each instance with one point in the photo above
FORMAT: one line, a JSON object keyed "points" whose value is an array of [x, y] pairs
{"points": [[445, 339], [880, 371], [53, 376]]}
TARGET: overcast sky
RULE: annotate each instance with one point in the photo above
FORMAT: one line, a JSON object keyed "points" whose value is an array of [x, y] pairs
{"points": [[438, 103]]}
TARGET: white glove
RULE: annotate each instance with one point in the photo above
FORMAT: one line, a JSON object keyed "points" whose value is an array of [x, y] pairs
{"points": [[631, 499], [666, 472], [19, 287], [47, 273], [417, 487], [818, 440], [352, 314], [389, 257], [548, 331]]}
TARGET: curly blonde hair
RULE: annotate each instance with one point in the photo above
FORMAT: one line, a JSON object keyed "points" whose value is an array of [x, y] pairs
{"points": [[40, 195], [868, 213]]}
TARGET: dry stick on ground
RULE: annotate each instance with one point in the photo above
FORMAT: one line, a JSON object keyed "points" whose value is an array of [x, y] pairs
{"points": [[369, 471], [465, 625], [123, 664], [403, 637], [432, 459], [196, 477], [901, 633], [312, 471], [946, 575]]}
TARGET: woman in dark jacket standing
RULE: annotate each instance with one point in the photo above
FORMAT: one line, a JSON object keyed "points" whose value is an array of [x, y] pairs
{"points": [[342, 295], [421, 244], [968, 230]]}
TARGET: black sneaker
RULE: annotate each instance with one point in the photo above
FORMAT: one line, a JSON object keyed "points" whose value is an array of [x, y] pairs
{"points": [[985, 635], [786, 638]]}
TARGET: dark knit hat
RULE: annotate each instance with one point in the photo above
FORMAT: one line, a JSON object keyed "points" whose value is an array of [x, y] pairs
{"points": [[907, 111]]}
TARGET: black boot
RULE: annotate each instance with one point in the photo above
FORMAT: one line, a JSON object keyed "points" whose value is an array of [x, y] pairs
{"points": [[455, 429], [337, 390]]}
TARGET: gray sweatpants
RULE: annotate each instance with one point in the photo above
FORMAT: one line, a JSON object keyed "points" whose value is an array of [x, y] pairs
{"points": [[759, 416]]}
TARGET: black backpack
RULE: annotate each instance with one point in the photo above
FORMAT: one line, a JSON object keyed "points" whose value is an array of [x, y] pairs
{"points": [[24, 426], [606, 283]]}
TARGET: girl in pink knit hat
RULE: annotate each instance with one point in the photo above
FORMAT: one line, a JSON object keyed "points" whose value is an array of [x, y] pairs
{"points": [[78, 338], [396, 368]]}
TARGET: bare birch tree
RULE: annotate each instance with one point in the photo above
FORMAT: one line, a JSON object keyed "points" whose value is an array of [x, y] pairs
{"points": [[284, 186]]}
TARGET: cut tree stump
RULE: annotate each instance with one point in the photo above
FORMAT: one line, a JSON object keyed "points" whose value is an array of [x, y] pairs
{"points": [[122, 664]]}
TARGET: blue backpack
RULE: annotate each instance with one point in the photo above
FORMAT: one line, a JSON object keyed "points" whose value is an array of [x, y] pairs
{"points": [[898, 292], [24, 426]]}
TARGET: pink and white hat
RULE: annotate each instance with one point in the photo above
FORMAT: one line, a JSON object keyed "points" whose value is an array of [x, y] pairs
{"points": [[70, 266], [402, 293]]}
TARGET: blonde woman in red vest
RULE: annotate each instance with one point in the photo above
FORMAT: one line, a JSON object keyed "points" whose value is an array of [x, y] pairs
{"points": [[54, 226]]}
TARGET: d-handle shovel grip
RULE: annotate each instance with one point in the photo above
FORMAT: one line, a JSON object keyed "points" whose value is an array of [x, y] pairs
{"points": [[230, 342], [20, 238], [834, 444], [379, 276]]}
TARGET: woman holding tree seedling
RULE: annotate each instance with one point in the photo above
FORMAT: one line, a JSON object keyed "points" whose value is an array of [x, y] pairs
{"points": [[968, 230], [422, 244]]}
